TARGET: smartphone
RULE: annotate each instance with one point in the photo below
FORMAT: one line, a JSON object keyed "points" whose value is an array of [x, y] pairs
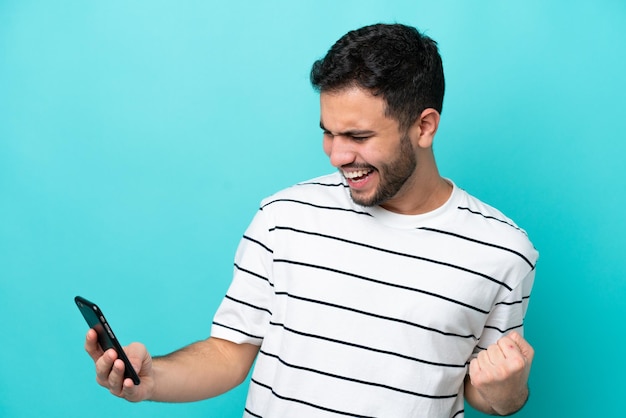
{"points": [[106, 338]]}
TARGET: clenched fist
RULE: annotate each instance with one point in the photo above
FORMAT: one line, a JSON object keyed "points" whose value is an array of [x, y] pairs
{"points": [[500, 373]]}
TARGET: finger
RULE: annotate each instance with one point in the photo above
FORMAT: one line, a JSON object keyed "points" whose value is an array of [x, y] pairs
{"points": [[135, 354], [495, 354], [515, 360], [509, 347], [116, 377], [474, 367], [91, 345], [526, 349], [104, 366], [130, 391], [482, 359], [479, 370], [484, 363]]}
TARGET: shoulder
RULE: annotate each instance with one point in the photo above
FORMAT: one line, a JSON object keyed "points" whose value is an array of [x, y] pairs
{"points": [[330, 189], [488, 224], [319, 201]]}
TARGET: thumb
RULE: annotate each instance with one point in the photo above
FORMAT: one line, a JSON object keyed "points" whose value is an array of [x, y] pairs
{"points": [[137, 355]]}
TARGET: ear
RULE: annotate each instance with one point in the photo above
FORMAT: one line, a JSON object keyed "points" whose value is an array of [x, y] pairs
{"points": [[425, 128]]}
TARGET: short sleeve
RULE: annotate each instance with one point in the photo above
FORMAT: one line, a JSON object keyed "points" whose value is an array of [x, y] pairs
{"points": [[508, 313], [245, 312]]}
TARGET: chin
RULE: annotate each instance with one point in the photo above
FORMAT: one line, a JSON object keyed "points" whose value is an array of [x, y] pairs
{"points": [[364, 200]]}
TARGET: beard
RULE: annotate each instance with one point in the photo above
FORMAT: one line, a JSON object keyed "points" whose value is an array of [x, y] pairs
{"points": [[393, 175]]}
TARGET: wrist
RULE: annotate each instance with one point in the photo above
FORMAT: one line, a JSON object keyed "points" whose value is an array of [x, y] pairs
{"points": [[512, 406]]}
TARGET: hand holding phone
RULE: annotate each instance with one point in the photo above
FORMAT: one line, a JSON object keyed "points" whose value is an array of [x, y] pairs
{"points": [[106, 338]]}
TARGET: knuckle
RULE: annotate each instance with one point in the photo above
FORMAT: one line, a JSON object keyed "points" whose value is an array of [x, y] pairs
{"points": [[518, 363], [102, 369], [480, 379], [115, 392]]}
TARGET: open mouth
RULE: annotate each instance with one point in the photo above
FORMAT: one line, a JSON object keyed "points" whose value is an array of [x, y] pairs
{"points": [[357, 176]]}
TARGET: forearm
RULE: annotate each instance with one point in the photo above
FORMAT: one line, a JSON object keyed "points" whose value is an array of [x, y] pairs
{"points": [[506, 406], [201, 370]]}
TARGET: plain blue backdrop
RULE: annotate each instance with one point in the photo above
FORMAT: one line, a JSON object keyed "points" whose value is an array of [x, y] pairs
{"points": [[138, 137]]}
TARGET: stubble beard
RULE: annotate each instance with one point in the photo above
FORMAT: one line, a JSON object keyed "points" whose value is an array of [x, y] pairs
{"points": [[392, 175]]}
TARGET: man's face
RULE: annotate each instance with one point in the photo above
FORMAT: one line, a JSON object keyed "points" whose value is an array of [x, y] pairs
{"points": [[366, 146]]}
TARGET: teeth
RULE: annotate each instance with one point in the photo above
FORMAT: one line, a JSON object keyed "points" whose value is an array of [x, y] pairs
{"points": [[355, 174]]}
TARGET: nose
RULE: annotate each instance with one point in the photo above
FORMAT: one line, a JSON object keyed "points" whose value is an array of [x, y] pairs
{"points": [[339, 149]]}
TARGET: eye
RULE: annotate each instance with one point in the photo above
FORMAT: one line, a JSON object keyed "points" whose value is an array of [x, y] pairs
{"points": [[359, 138]]}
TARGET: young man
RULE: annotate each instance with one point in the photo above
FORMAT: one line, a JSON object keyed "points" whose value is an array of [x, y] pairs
{"points": [[382, 290]]}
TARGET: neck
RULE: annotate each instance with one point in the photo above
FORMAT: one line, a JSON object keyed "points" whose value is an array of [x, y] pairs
{"points": [[423, 192]]}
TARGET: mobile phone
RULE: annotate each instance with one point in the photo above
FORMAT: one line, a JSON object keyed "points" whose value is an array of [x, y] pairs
{"points": [[106, 338]]}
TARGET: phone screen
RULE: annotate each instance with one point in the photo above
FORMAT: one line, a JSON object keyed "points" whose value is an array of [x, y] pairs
{"points": [[106, 338]]}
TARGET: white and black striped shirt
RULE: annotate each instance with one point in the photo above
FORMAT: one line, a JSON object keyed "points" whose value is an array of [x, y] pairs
{"points": [[361, 312]]}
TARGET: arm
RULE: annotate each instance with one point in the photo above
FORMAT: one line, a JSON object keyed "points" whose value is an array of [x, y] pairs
{"points": [[497, 383], [199, 371]]}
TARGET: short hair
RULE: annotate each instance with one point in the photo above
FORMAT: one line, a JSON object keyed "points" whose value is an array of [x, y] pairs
{"points": [[394, 61]]}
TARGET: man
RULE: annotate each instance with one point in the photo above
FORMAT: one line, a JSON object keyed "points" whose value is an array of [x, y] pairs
{"points": [[382, 290]]}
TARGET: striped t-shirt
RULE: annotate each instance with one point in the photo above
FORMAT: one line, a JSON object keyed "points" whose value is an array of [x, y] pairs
{"points": [[362, 312]]}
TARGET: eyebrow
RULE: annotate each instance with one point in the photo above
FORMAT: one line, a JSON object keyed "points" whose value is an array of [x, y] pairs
{"points": [[350, 132]]}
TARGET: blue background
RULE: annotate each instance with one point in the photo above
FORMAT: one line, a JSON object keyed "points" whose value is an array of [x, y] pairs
{"points": [[138, 137]]}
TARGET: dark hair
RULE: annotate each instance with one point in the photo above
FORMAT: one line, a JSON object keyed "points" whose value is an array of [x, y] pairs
{"points": [[394, 61]]}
